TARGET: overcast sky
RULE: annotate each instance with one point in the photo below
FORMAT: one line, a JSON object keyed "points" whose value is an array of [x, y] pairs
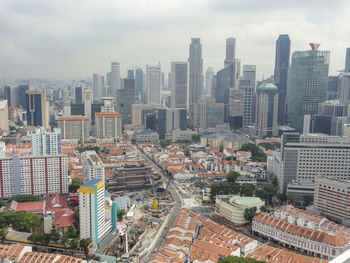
{"points": [[74, 38]]}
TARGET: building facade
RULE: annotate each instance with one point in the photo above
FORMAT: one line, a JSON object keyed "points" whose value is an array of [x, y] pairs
{"points": [[209, 75], [207, 113], [167, 120], [74, 127], [347, 60], [179, 85], [98, 85], [195, 71], [114, 78], [34, 175], [126, 98], [108, 124], [139, 111], [153, 83], [37, 108], [79, 94], [45, 142], [4, 115], [93, 167]]}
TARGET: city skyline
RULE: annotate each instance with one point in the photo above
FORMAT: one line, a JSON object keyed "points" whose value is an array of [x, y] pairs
{"points": [[48, 41]]}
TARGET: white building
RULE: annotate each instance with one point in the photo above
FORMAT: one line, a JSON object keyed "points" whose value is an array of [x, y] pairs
{"points": [[146, 136], [93, 223], [35, 175], [179, 135], [4, 118], [74, 127], [153, 84], [46, 143], [115, 78], [93, 167], [179, 85], [97, 85], [108, 124]]}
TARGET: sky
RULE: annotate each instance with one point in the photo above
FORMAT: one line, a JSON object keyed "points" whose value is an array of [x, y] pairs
{"points": [[72, 39]]}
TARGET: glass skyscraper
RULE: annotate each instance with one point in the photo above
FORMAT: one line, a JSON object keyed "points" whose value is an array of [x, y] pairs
{"points": [[307, 84]]}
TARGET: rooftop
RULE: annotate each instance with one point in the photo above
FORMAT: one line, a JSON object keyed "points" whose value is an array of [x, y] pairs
{"points": [[246, 201], [92, 182]]}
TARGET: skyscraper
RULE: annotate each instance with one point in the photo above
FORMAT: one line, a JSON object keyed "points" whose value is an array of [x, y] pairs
{"points": [[131, 74], [344, 88], [46, 143], [179, 85], [167, 120], [37, 108], [207, 113], [281, 74], [138, 83], [196, 71], [78, 95], [307, 84], [4, 117], [248, 102], [98, 85], [21, 95], [125, 98], [153, 80], [347, 60], [115, 78], [230, 51], [249, 73], [209, 75]]}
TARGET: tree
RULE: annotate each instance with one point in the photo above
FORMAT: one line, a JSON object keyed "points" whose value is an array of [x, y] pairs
{"points": [[282, 197], [84, 245], [264, 208], [196, 138], [221, 149], [232, 259], [54, 236], [76, 183], [224, 188], [46, 238], [35, 237], [64, 241], [74, 243], [25, 198], [267, 146], [308, 199], [249, 213], [71, 231], [292, 198], [247, 189], [120, 214], [258, 155], [164, 143], [1, 202], [232, 176], [267, 192], [3, 234], [274, 180], [133, 141], [96, 258]]}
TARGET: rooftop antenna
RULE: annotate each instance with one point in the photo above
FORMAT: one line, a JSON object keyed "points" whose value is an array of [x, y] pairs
{"points": [[314, 46]]}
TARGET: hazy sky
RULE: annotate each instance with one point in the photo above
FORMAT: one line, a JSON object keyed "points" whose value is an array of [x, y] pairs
{"points": [[74, 38]]}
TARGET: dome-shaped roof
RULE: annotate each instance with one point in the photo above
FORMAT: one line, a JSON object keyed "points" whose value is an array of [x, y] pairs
{"points": [[267, 87]]}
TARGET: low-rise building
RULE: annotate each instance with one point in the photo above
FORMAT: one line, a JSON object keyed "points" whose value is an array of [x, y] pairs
{"points": [[225, 139], [232, 208], [179, 135], [146, 136]]}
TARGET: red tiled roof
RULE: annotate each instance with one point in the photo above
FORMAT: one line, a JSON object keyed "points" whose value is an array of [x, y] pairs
{"points": [[56, 202], [64, 218]]}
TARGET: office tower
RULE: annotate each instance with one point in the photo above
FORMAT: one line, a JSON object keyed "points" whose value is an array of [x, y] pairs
{"points": [[139, 84], [11, 95], [163, 81], [230, 51], [131, 74], [209, 75], [344, 88], [78, 95], [315, 155], [249, 73], [13, 114], [167, 120], [7, 94], [95, 107], [281, 74], [88, 100], [332, 108], [125, 98], [114, 78], [307, 84], [107, 104], [179, 85], [93, 167], [236, 101], [77, 109], [37, 108], [21, 95], [207, 113], [224, 81], [237, 72], [248, 103], [333, 87], [4, 116], [266, 112], [74, 127], [108, 124], [195, 71], [139, 111], [92, 220], [347, 60], [46, 142], [98, 86], [153, 80], [316, 123], [33, 175]]}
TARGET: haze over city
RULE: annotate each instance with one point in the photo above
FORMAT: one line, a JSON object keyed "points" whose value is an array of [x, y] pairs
{"points": [[72, 39]]}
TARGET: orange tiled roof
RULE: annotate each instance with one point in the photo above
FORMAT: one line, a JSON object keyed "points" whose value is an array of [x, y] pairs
{"points": [[108, 114]]}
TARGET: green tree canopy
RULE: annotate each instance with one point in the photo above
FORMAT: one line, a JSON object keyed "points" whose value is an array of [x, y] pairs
{"points": [[239, 260], [232, 176], [196, 138], [258, 154], [72, 231], [84, 245], [267, 191], [74, 243], [76, 183], [308, 199], [224, 188], [25, 198], [35, 237], [3, 234], [249, 213], [274, 180], [247, 189]]}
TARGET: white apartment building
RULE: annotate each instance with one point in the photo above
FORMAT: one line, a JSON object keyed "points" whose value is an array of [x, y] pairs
{"points": [[4, 118], [93, 223], [313, 156], [93, 167], [74, 127], [153, 84], [303, 231], [45, 142], [35, 175], [108, 124]]}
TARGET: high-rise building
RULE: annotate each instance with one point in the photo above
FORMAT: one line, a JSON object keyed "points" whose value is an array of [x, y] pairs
{"points": [[224, 81], [79, 94], [45, 142], [167, 120], [209, 75], [207, 113], [92, 220], [266, 113], [114, 78], [179, 85], [88, 99], [37, 108], [230, 51], [249, 73], [237, 72], [4, 116], [344, 88], [93, 167], [236, 102], [125, 98], [131, 73], [347, 60], [281, 74], [98, 85], [195, 71], [34, 175], [307, 84], [248, 103], [21, 95], [7, 94], [74, 127], [153, 80], [139, 84], [108, 124], [140, 111]]}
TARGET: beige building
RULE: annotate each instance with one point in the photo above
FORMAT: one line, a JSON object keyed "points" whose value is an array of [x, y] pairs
{"points": [[108, 124], [225, 139], [74, 127], [4, 119], [138, 112], [37, 108], [232, 208]]}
